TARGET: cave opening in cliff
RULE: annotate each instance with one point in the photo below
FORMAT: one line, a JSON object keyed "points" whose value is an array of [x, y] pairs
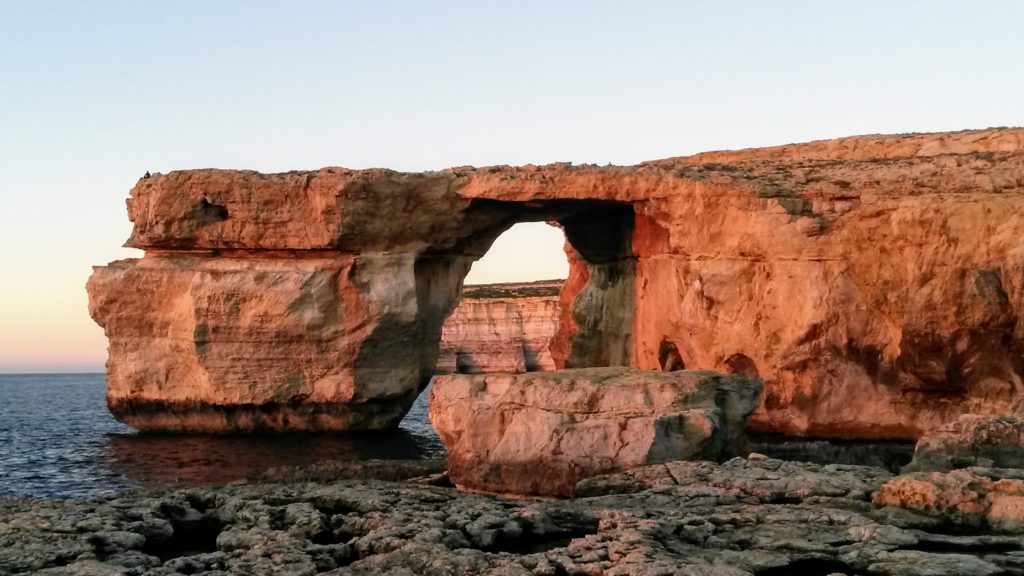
{"points": [[551, 287]]}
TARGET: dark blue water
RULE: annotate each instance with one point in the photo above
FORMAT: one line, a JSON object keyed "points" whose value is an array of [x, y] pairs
{"points": [[57, 440]]}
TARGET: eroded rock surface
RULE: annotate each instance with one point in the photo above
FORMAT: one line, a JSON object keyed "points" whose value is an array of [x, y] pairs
{"points": [[741, 518], [972, 440], [217, 344], [875, 283], [540, 433], [974, 499]]}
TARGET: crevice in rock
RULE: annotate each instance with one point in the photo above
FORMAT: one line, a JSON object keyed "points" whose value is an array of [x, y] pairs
{"points": [[669, 358], [328, 557], [465, 363], [568, 527], [966, 545], [784, 499], [210, 213], [953, 530], [888, 455], [331, 536], [331, 507], [189, 537], [743, 365], [200, 502], [811, 567], [533, 543]]}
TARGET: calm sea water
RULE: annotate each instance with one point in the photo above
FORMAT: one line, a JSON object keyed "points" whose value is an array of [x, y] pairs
{"points": [[57, 440]]}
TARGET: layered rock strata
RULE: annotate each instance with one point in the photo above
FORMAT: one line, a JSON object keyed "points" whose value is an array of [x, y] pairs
{"points": [[874, 283], [541, 433], [740, 518], [501, 328]]}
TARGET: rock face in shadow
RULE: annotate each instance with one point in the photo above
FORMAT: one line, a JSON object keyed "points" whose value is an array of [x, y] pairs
{"points": [[972, 440], [501, 328], [541, 433], [875, 283]]}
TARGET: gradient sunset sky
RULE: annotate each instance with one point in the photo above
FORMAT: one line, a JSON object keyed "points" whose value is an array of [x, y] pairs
{"points": [[93, 94]]}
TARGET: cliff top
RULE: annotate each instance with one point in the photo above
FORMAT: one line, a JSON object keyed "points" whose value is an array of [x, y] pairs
{"points": [[513, 289], [461, 208]]}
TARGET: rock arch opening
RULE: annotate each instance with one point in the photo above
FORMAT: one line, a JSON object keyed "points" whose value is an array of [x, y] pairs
{"points": [[592, 309], [594, 305], [508, 310]]}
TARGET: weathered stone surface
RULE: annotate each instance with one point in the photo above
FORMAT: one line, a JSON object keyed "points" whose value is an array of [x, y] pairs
{"points": [[769, 480], [220, 344], [959, 497], [741, 518], [540, 433], [875, 283], [501, 328], [972, 440]]}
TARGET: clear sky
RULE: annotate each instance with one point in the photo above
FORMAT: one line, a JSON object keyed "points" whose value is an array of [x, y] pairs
{"points": [[93, 94]]}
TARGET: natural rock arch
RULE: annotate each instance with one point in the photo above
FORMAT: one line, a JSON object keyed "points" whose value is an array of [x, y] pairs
{"points": [[873, 283], [598, 302]]}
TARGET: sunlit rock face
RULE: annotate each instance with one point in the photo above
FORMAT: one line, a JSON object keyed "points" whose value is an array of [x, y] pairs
{"points": [[501, 328], [280, 343], [541, 433], [874, 283], [959, 498]]}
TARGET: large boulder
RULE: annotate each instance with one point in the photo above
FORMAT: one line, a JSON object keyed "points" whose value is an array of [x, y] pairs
{"points": [[541, 433], [972, 440], [960, 498]]}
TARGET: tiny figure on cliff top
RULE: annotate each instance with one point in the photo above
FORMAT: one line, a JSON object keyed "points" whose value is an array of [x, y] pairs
{"points": [[146, 175]]}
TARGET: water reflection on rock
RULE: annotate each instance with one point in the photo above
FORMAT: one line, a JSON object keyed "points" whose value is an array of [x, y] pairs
{"points": [[173, 461]]}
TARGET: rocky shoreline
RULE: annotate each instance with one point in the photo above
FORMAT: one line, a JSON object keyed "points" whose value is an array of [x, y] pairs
{"points": [[753, 516]]}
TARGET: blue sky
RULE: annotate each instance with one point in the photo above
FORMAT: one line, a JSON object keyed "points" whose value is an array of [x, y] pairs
{"points": [[93, 94]]}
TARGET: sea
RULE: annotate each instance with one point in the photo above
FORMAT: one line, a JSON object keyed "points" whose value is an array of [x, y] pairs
{"points": [[58, 440]]}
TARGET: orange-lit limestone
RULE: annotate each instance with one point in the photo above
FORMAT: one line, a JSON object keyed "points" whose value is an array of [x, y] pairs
{"points": [[540, 433], [959, 497], [501, 328], [875, 283], [240, 344]]}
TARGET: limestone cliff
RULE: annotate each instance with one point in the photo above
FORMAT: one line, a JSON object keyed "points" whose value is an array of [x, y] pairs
{"points": [[501, 328], [874, 283]]}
